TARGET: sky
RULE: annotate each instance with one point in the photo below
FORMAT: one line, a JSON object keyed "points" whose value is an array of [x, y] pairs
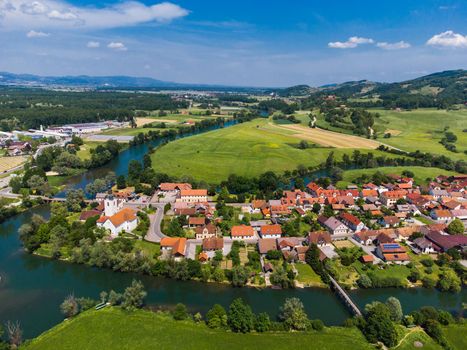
{"points": [[242, 42]]}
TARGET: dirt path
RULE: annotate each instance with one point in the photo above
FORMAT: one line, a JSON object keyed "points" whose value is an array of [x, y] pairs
{"points": [[328, 138]]}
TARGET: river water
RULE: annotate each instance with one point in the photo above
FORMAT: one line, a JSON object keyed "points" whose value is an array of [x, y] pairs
{"points": [[32, 288]]}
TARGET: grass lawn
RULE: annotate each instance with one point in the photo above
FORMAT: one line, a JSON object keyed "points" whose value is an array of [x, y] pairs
{"points": [[422, 129], [150, 249], [400, 272], [307, 276], [248, 149], [111, 328], [421, 173], [85, 149], [456, 335], [130, 131], [416, 335]]}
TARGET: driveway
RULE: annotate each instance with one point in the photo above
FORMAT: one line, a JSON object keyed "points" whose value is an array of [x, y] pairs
{"points": [[368, 249]]}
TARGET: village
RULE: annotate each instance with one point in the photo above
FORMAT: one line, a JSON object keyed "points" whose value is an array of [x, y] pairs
{"points": [[393, 224]]}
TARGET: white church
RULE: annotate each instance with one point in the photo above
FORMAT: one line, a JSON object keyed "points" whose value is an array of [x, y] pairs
{"points": [[116, 218]]}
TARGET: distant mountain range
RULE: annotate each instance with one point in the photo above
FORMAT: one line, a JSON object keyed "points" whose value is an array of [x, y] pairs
{"points": [[448, 85], [107, 82]]}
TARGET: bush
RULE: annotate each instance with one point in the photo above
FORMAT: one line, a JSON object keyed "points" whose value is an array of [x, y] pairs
{"points": [[364, 281], [428, 282], [427, 262], [317, 325], [180, 313]]}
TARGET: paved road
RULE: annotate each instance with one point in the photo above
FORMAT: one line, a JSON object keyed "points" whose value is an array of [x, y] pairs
{"points": [[155, 233]]}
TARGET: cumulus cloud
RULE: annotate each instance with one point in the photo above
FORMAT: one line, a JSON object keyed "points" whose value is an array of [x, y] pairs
{"points": [[60, 14], [448, 39], [34, 34], [393, 46], [117, 46], [93, 44], [351, 43]]}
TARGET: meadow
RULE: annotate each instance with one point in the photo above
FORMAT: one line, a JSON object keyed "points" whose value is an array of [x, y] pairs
{"points": [[111, 328], [422, 129], [248, 149]]}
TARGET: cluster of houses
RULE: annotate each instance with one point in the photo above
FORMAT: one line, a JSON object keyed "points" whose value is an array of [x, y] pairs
{"points": [[440, 202]]}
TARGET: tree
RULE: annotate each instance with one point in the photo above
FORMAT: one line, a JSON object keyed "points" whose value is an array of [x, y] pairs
{"points": [[134, 170], [147, 162], [239, 276], [395, 309], [180, 313], [14, 333], [378, 326], [133, 296], [293, 314], [456, 227], [280, 278], [69, 307], [240, 317], [216, 317], [115, 298], [121, 182], [303, 144], [75, 200], [262, 322], [316, 208], [449, 282]]}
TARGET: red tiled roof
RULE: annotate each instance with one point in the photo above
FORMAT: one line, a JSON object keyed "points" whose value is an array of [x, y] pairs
{"points": [[192, 193], [242, 230], [271, 230], [178, 244]]}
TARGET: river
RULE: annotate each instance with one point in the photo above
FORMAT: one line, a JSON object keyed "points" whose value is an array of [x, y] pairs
{"points": [[32, 288]]}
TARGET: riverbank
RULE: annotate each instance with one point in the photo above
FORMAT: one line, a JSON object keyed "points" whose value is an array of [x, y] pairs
{"points": [[112, 328]]}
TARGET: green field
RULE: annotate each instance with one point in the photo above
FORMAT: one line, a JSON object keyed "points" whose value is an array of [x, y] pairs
{"points": [[85, 149], [421, 173], [112, 328], [456, 335], [247, 149], [132, 131], [308, 277], [422, 129]]}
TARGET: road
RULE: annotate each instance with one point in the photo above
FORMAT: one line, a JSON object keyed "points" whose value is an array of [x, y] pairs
{"points": [[155, 233]]}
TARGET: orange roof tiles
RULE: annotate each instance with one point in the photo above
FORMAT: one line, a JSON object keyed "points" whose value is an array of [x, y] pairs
{"points": [[192, 193], [242, 231], [177, 244]]}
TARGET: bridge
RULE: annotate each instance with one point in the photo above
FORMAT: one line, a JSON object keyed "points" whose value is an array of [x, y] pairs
{"points": [[345, 297]]}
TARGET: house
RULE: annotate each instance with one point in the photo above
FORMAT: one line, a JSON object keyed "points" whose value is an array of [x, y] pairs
{"points": [[203, 257], [271, 231], [174, 247], [213, 243], [366, 237], [352, 222], [424, 245], [389, 198], [266, 244], [392, 253], [205, 231], [460, 214], [367, 259], [17, 148], [320, 238], [389, 221], [241, 232], [174, 187], [124, 220], [443, 243], [441, 215], [335, 227], [196, 221], [194, 196]]}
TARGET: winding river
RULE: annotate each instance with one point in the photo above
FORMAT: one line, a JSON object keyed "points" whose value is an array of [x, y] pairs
{"points": [[32, 288]]}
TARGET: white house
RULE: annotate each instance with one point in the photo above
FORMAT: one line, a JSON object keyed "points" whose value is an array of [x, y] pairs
{"points": [[194, 196], [271, 231], [124, 220]]}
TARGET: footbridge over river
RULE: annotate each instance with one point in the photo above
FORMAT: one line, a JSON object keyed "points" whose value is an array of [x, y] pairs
{"points": [[345, 297]]}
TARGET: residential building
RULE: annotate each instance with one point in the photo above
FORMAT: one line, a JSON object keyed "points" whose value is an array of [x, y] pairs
{"points": [[173, 247], [320, 238], [441, 215], [213, 243], [266, 244], [423, 245], [242, 232], [205, 231], [335, 227], [392, 253], [271, 231], [194, 196], [354, 223]]}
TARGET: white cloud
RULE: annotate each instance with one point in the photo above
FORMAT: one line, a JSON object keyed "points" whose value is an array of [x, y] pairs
{"points": [[93, 44], [393, 46], [351, 43], [448, 39], [117, 46], [42, 14], [34, 34]]}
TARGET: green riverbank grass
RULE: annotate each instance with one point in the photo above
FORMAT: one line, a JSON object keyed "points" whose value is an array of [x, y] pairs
{"points": [[112, 328], [248, 149]]}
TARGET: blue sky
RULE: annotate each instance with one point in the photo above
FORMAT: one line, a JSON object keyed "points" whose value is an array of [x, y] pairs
{"points": [[254, 43]]}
